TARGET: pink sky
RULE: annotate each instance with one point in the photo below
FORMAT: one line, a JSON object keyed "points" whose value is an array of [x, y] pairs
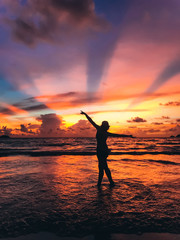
{"points": [[118, 62]]}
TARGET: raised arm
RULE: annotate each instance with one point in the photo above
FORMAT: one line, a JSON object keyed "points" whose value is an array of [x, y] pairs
{"points": [[118, 135], [90, 120]]}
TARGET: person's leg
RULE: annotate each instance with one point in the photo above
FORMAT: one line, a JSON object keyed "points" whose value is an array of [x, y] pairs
{"points": [[101, 174], [108, 173], [101, 169]]}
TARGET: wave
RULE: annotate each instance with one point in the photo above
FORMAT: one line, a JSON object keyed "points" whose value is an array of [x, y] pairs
{"points": [[151, 160], [10, 152], [164, 162], [56, 144], [170, 143]]}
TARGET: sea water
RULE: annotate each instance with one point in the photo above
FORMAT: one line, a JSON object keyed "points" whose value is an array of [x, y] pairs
{"points": [[50, 146], [55, 190]]}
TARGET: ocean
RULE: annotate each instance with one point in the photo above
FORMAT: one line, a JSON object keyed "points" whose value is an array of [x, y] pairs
{"points": [[50, 185], [87, 146]]}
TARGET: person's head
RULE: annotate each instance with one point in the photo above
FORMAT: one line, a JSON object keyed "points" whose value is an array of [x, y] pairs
{"points": [[105, 125]]}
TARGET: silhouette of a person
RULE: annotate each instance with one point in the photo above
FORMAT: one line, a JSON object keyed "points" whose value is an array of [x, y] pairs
{"points": [[102, 148]]}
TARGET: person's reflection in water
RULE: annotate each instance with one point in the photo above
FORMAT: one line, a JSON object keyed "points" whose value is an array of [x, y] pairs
{"points": [[102, 148], [105, 200]]}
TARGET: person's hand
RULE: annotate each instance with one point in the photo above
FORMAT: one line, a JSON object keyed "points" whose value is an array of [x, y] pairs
{"points": [[83, 112]]}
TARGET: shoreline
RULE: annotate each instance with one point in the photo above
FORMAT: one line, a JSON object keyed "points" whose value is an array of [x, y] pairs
{"points": [[112, 236]]}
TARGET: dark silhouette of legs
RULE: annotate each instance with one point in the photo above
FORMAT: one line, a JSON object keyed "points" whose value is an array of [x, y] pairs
{"points": [[104, 167], [101, 174], [108, 173]]}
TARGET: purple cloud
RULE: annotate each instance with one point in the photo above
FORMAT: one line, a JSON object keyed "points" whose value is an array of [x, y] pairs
{"points": [[50, 124], [49, 20]]}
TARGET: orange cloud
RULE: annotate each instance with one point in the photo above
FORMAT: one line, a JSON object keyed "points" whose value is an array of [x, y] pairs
{"points": [[81, 128]]}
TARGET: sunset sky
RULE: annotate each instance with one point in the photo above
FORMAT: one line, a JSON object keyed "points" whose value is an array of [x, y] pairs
{"points": [[116, 60]]}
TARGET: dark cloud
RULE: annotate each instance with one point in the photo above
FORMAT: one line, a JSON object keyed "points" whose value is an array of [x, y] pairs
{"points": [[23, 128], [47, 20], [26, 102], [50, 125], [136, 120], [36, 107], [25, 31], [28, 128], [31, 104], [6, 111], [5, 130], [78, 9], [165, 117], [157, 123], [26, 105], [169, 104], [178, 120]]}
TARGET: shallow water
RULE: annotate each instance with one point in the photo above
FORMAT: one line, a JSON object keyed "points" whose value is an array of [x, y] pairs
{"points": [[59, 194]]}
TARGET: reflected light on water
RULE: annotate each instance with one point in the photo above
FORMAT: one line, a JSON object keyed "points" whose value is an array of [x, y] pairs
{"points": [[61, 192]]}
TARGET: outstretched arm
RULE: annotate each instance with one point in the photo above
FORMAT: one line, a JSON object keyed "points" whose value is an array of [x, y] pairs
{"points": [[90, 120], [118, 135]]}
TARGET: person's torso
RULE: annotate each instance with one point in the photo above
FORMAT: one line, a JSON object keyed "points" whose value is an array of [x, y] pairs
{"points": [[101, 137]]}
